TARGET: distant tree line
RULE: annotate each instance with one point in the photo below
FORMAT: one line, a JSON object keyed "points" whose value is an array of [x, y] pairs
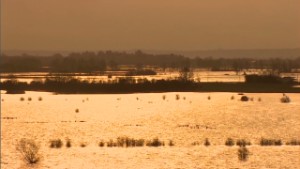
{"points": [[88, 62]]}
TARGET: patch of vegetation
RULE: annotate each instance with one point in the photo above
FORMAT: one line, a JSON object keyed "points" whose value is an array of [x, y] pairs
{"points": [[40, 99], [243, 153], [56, 143], [243, 143], [285, 99], [83, 145], [270, 142], [29, 150], [177, 97], [229, 142], [29, 98], [68, 143], [76, 110], [22, 99], [155, 143], [164, 97], [101, 144], [171, 143], [293, 142], [206, 142]]}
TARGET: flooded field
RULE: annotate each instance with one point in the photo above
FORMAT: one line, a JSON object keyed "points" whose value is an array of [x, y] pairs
{"points": [[186, 119]]}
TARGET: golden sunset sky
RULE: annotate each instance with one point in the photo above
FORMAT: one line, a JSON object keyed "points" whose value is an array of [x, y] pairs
{"points": [[149, 24]]}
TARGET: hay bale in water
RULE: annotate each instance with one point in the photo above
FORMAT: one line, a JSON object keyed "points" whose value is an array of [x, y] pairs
{"points": [[244, 98]]}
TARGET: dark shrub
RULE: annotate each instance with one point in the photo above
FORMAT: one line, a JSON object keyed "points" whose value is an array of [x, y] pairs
{"points": [[244, 98], [40, 98], [206, 142], [22, 99], [68, 144], [155, 143], [101, 144], [243, 153], [29, 150], [229, 142], [171, 143], [57, 143], [293, 142], [242, 142]]}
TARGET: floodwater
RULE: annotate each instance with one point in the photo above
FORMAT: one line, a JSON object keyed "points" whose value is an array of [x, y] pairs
{"points": [[190, 119]]}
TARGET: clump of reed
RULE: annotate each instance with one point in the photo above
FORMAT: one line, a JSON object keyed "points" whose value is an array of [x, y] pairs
{"points": [[76, 110], [243, 153], [229, 142], [56, 143], [171, 143], [293, 142], [232, 97], [208, 98], [129, 142], [270, 142], [29, 98], [243, 143], [259, 99], [285, 99], [206, 142], [155, 143], [101, 144], [29, 151], [40, 99], [68, 143], [177, 97], [22, 99], [111, 143], [164, 97], [83, 145]]}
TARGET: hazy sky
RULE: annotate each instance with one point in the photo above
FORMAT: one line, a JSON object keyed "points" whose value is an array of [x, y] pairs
{"points": [[149, 24]]}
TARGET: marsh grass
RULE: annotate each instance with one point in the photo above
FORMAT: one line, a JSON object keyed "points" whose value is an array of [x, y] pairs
{"points": [[177, 97], [270, 142], [243, 153], [243, 143], [76, 110], [206, 142], [40, 99], [29, 98], [293, 142], [155, 143], [56, 143], [22, 99], [83, 145], [68, 143], [229, 142], [171, 143], [29, 150]]}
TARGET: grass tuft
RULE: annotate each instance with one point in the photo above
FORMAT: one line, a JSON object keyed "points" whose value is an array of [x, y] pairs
{"points": [[29, 150], [229, 142]]}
